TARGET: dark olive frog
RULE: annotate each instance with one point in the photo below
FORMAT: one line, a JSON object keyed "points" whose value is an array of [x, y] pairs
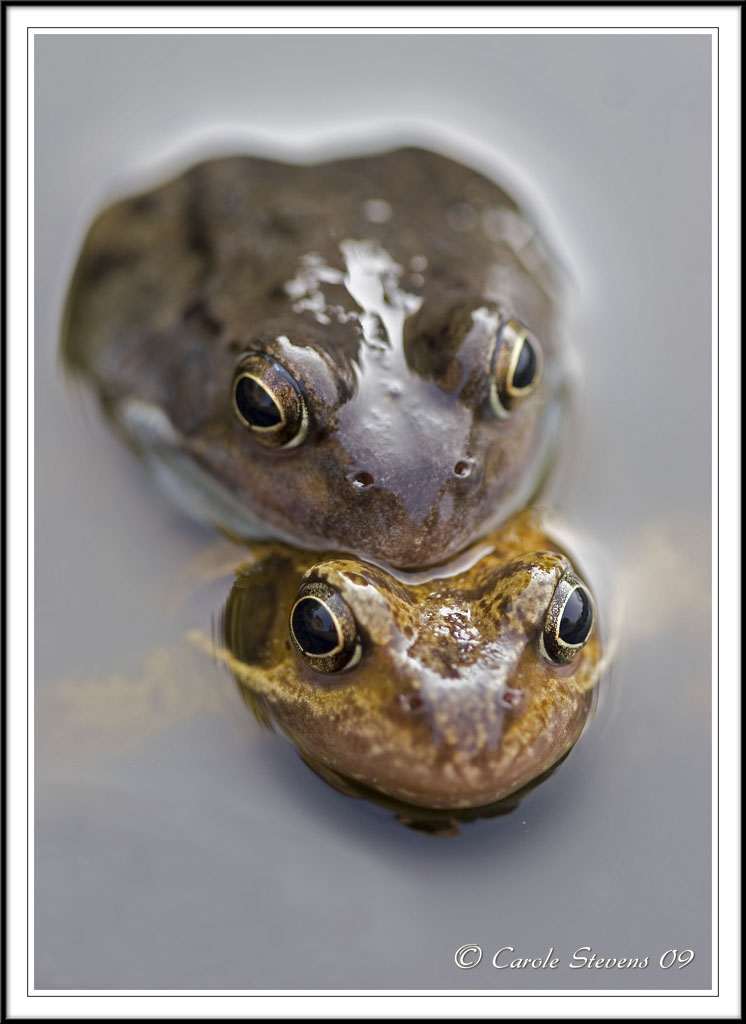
{"points": [[359, 354], [450, 688]]}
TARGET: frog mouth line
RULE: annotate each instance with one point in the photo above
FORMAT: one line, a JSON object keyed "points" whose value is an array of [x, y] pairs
{"points": [[440, 822]]}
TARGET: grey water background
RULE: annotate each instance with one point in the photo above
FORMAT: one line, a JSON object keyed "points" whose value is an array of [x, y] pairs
{"points": [[177, 845]]}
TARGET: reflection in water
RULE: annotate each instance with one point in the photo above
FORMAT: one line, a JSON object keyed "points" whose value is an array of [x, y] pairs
{"points": [[667, 568], [111, 714], [450, 694]]}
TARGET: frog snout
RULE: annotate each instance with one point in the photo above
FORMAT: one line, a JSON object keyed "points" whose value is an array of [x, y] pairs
{"points": [[468, 712]]}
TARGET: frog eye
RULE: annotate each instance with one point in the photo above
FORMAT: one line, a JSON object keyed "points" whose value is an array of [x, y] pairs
{"points": [[516, 367], [323, 628], [570, 620], [269, 402]]}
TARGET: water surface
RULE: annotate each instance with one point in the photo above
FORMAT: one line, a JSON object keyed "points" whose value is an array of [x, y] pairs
{"points": [[177, 845]]}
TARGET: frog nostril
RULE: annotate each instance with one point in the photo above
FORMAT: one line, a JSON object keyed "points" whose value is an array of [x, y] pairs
{"points": [[463, 468], [362, 480], [412, 703], [511, 699]]}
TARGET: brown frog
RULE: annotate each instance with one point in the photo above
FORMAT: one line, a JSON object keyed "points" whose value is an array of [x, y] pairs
{"points": [[359, 355], [452, 688]]}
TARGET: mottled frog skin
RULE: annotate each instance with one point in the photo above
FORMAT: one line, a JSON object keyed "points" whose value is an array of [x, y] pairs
{"points": [[447, 689], [359, 355]]}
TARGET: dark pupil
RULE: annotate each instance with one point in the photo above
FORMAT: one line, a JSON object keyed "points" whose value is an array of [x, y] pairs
{"points": [[525, 368], [255, 404], [314, 626], [577, 615]]}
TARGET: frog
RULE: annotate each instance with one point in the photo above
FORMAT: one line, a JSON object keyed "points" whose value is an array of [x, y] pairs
{"points": [[447, 689], [360, 354]]}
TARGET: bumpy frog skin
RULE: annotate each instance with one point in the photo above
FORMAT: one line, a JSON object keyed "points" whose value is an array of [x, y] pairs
{"points": [[358, 355], [450, 690]]}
